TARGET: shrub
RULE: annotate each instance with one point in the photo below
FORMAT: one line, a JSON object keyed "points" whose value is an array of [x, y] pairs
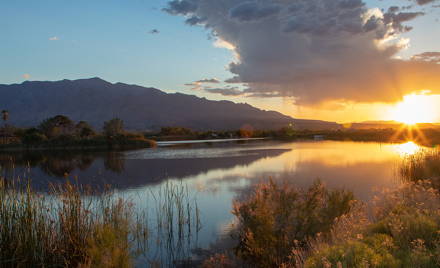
{"points": [[372, 252], [33, 137], [277, 219]]}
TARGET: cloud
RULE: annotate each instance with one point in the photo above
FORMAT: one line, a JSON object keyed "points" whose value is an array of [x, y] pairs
{"points": [[433, 57], [197, 85], [209, 80], [397, 19], [424, 2], [154, 31], [194, 85], [54, 38], [26, 76], [226, 91], [183, 7], [251, 11], [314, 50]]}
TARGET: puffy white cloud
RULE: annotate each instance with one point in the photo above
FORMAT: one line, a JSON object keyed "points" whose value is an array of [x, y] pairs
{"points": [[314, 50], [54, 38]]}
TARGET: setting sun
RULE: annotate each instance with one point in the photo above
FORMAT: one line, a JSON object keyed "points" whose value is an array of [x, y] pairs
{"points": [[415, 109]]}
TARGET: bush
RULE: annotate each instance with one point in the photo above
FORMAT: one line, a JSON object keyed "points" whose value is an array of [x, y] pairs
{"points": [[372, 252], [277, 219], [33, 137], [405, 232]]}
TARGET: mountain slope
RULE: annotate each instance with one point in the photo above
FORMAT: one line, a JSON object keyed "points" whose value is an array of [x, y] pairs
{"points": [[95, 100]]}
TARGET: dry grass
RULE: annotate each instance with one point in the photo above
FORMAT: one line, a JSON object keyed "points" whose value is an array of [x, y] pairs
{"points": [[277, 219], [63, 228]]}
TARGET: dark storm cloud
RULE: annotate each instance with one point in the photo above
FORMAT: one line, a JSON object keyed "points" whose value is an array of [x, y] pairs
{"points": [[194, 20], [314, 50], [181, 7], [397, 19], [252, 10]]}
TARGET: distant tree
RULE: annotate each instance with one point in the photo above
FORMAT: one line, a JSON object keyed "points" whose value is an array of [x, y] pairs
{"points": [[113, 127], [175, 131], [5, 116], [288, 131], [33, 136], [246, 131], [56, 126], [84, 130]]}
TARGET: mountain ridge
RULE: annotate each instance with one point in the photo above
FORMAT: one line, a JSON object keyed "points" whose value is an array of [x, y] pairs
{"points": [[142, 108]]}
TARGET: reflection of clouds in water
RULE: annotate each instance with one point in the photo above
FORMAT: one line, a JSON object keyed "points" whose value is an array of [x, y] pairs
{"points": [[356, 166]]}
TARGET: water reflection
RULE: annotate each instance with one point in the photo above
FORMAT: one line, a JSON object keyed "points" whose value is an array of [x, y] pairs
{"points": [[218, 174], [124, 170], [408, 148]]}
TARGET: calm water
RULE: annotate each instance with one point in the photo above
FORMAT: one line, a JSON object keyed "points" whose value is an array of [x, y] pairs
{"points": [[216, 174]]}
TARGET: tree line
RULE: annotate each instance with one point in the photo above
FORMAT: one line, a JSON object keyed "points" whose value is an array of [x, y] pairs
{"points": [[60, 130]]}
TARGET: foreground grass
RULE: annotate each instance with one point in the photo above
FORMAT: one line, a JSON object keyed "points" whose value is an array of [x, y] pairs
{"points": [[70, 226], [63, 230], [280, 226]]}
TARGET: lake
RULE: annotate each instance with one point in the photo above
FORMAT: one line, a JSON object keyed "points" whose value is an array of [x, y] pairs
{"points": [[209, 176]]}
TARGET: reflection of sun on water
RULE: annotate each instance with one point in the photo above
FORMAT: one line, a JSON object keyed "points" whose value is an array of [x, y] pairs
{"points": [[408, 148]]}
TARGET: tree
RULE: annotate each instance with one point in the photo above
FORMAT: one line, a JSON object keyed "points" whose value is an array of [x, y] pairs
{"points": [[56, 126], [33, 137], [113, 127], [84, 130], [5, 115]]}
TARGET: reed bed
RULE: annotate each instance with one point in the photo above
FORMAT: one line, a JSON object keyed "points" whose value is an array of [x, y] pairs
{"points": [[62, 229], [424, 165], [74, 226], [176, 223]]}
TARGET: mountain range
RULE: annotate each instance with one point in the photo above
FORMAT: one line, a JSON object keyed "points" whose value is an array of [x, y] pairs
{"points": [[95, 100]]}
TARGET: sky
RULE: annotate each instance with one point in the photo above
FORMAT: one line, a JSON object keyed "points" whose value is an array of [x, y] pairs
{"points": [[336, 60]]}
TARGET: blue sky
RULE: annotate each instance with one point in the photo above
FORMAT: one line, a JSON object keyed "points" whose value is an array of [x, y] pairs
{"points": [[106, 38], [60, 39]]}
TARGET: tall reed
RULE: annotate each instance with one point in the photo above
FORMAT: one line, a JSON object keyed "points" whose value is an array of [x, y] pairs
{"points": [[62, 229]]}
